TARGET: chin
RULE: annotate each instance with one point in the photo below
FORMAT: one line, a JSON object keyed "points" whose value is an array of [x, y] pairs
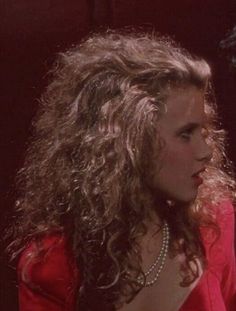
{"points": [[189, 199], [185, 198]]}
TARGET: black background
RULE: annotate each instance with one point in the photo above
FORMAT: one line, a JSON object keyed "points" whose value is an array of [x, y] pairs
{"points": [[32, 33]]}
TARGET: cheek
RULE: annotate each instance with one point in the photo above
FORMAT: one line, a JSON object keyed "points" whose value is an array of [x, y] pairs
{"points": [[178, 158]]}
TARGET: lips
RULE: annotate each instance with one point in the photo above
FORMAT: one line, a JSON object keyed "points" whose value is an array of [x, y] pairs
{"points": [[199, 172], [197, 178]]}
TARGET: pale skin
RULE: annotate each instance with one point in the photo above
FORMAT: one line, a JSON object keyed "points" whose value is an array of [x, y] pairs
{"points": [[185, 153]]}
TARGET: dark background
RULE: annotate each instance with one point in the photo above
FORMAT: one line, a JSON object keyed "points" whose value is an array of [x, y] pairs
{"points": [[32, 33]]}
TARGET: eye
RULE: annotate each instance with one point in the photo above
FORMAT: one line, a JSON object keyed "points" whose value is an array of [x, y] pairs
{"points": [[186, 134]]}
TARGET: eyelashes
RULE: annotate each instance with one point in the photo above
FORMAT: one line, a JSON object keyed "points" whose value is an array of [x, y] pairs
{"points": [[187, 133]]}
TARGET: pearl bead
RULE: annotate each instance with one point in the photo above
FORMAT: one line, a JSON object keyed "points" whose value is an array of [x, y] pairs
{"points": [[161, 258]]}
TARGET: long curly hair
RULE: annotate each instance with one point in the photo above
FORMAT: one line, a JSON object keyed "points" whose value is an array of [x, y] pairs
{"points": [[84, 172]]}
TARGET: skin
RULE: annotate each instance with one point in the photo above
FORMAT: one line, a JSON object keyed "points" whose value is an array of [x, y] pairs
{"points": [[185, 151]]}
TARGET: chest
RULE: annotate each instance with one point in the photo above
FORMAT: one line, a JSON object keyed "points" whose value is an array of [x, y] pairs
{"points": [[166, 294]]}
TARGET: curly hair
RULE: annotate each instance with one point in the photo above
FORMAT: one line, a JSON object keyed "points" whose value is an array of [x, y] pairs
{"points": [[93, 137]]}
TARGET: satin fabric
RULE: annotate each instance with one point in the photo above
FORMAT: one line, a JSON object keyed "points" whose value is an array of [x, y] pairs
{"points": [[49, 278]]}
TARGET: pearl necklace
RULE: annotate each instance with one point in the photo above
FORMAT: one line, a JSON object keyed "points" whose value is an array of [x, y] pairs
{"points": [[161, 258]]}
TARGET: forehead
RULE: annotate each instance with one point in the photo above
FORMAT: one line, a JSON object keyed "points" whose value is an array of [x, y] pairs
{"points": [[184, 105]]}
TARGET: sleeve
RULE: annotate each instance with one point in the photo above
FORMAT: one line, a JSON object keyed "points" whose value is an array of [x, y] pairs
{"points": [[228, 281], [48, 280]]}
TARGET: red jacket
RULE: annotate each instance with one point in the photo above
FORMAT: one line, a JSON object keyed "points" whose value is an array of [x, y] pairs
{"points": [[55, 276]]}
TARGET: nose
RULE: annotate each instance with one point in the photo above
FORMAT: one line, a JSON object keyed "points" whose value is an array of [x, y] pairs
{"points": [[204, 152]]}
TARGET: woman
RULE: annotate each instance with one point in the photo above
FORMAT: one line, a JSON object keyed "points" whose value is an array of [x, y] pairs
{"points": [[125, 195]]}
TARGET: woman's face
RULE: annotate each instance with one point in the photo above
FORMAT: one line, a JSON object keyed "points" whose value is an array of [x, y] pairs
{"points": [[175, 172]]}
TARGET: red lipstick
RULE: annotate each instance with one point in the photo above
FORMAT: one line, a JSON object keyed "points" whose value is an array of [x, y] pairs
{"points": [[197, 178]]}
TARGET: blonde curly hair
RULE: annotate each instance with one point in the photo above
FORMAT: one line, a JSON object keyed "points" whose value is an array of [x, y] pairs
{"points": [[91, 147]]}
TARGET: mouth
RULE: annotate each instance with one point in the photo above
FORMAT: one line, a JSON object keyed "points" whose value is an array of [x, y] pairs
{"points": [[197, 178]]}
